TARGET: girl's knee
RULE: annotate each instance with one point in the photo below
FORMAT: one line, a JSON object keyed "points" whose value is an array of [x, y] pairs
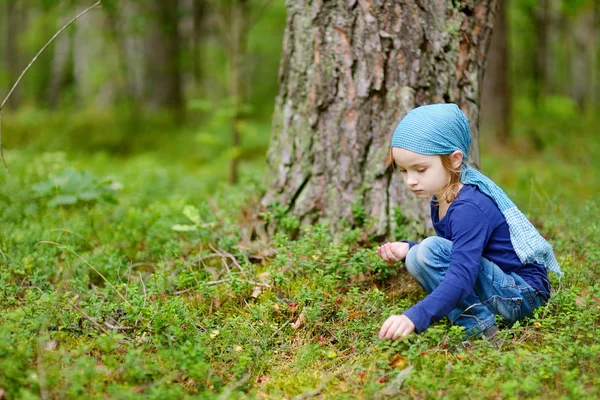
{"points": [[411, 261], [432, 247]]}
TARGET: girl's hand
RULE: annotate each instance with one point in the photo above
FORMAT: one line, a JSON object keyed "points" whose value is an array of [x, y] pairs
{"points": [[396, 326], [394, 252]]}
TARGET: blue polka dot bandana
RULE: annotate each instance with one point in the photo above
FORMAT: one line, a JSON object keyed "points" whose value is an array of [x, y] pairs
{"points": [[442, 129]]}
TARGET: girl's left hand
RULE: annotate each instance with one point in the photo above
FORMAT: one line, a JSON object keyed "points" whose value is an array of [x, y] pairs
{"points": [[396, 326]]}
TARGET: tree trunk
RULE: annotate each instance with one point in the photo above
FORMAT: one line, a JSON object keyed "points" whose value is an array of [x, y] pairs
{"points": [[198, 17], [350, 70], [162, 47], [546, 29], [595, 82], [495, 99], [583, 38], [60, 64], [13, 54], [237, 60], [94, 82]]}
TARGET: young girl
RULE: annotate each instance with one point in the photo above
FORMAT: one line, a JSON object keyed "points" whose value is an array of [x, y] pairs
{"points": [[487, 259]]}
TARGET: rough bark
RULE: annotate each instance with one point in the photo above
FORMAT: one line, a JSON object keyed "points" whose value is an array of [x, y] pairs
{"points": [[198, 18], [350, 70], [93, 83], [583, 46], [163, 52], [546, 30], [237, 92], [496, 95], [15, 18], [60, 64]]}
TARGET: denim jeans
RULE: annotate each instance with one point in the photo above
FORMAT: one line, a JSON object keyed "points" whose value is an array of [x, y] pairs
{"points": [[494, 293]]}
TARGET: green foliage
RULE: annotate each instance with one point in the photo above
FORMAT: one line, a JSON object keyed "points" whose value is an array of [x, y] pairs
{"points": [[70, 187], [110, 300]]}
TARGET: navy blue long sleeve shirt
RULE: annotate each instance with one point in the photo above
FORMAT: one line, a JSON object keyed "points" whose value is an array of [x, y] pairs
{"points": [[477, 229]]}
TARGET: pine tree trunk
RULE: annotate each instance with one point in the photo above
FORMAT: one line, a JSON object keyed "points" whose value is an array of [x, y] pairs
{"points": [[163, 52], [496, 95], [13, 54], [237, 92], [546, 32], [584, 42], [350, 70], [60, 64]]}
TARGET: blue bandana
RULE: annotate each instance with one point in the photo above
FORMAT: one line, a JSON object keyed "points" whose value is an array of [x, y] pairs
{"points": [[442, 129]]}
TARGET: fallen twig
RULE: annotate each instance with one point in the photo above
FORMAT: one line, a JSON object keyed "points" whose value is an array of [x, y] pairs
{"points": [[117, 328], [318, 390], [234, 387], [92, 320], [210, 283]]}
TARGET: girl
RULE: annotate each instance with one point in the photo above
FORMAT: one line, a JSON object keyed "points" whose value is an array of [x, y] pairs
{"points": [[487, 259]]}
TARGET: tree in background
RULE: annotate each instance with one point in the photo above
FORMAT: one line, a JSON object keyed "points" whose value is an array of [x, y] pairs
{"points": [[496, 96], [349, 72], [16, 25]]}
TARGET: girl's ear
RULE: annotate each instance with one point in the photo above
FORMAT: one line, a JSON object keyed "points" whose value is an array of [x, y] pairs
{"points": [[456, 159]]}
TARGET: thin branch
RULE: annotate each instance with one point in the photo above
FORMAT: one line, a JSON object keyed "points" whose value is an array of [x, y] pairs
{"points": [[258, 15], [144, 287], [228, 390], [223, 281], [117, 328], [29, 66], [318, 390], [92, 320]]}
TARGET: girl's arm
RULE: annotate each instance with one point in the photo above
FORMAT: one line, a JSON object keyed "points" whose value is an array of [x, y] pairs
{"points": [[470, 230]]}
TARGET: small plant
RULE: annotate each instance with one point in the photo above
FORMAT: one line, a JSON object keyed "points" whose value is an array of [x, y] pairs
{"points": [[71, 187], [193, 214]]}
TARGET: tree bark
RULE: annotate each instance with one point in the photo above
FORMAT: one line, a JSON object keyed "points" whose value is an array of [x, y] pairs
{"points": [[349, 72], [15, 20], [60, 64], [495, 99], [198, 18], [237, 92], [163, 52], [583, 45], [546, 29]]}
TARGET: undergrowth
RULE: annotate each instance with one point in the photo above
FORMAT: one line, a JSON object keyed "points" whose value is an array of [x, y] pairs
{"points": [[101, 298]]}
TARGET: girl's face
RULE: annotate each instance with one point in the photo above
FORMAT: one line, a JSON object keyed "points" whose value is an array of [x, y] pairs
{"points": [[424, 175]]}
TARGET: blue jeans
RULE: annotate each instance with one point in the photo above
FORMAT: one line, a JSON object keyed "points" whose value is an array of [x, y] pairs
{"points": [[495, 292]]}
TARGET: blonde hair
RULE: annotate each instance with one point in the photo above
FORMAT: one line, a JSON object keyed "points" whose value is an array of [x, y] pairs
{"points": [[450, 191]]}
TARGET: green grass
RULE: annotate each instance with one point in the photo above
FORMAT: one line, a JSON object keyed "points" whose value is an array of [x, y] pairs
{"points": [[70, 275]]}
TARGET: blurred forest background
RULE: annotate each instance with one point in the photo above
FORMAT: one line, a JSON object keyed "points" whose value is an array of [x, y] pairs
{"points": [[197, 79]]}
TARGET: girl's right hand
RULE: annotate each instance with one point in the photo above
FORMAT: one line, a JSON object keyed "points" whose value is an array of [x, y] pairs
{"points": [[393, 252]]}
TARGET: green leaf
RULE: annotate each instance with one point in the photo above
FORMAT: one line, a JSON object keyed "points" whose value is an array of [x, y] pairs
{"points": [[192, 213], [65, 199], [89, 195], [184, 228]]}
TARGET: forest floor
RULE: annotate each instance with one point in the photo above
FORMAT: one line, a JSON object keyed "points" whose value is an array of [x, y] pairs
{"points": [[136, 276]]}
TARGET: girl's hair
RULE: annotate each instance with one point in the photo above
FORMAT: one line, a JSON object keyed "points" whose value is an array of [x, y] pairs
{"points": [[449, 192]]}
